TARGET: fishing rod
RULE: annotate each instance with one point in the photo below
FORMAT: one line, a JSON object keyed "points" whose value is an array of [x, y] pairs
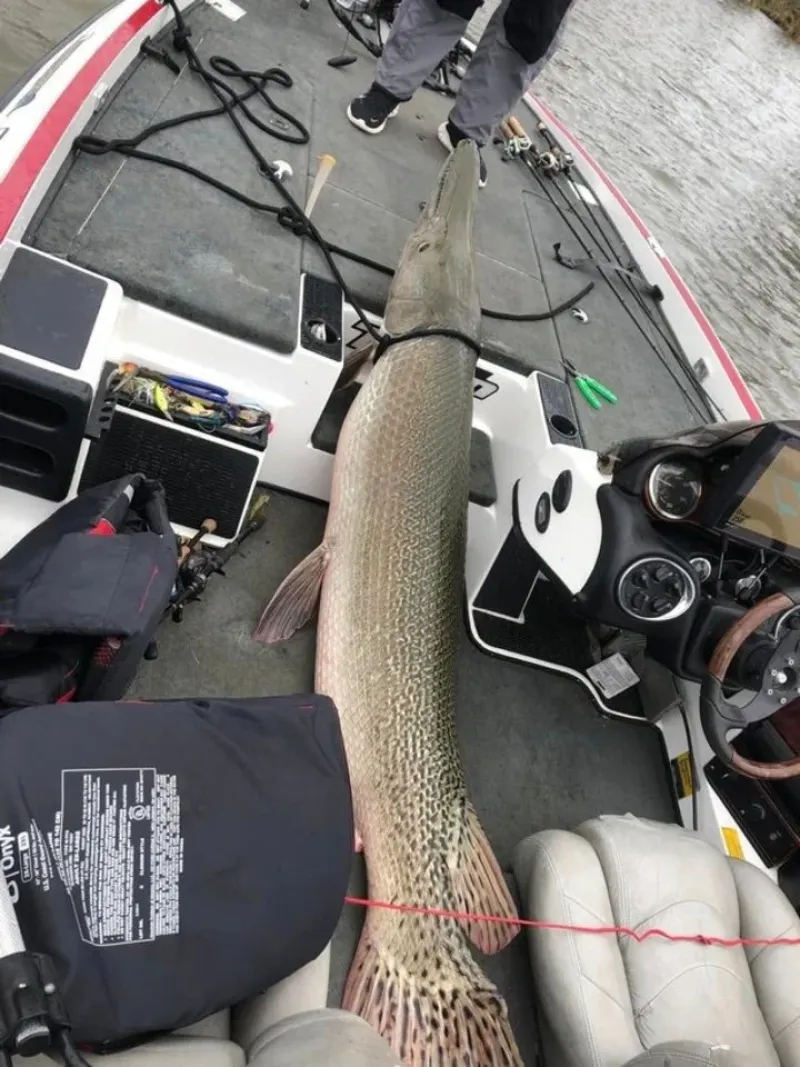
{"points": [[564, 162], [521, 147], [34, 1017], [200, 562], [606, 243], [356, 8]]}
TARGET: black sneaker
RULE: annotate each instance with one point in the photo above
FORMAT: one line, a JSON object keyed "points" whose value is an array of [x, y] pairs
{"points": [[449, 136], [371, 111]]}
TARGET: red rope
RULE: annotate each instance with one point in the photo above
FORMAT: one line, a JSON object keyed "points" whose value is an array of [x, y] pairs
{"points": [[540, 924]]}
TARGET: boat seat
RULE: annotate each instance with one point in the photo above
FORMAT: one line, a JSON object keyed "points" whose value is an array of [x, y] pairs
{"points": [[287, 1026], [607, 1001]]}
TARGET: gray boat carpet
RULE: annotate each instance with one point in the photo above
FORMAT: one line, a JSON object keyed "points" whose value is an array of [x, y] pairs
{"points": [[535, 752], [179, 244]]}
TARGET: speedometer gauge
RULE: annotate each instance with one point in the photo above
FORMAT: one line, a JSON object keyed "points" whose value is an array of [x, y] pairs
{"points": [[673, 490]]}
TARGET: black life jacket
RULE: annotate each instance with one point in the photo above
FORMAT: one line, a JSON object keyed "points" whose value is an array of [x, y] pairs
{"points": [[82, 595], [173, 857]]}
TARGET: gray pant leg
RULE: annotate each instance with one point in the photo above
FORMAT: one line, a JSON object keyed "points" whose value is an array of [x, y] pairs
{"points": [[496, 79], [421, 36], [323, 1038]]}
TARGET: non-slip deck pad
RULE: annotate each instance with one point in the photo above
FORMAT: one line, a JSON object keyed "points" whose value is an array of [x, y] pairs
{"points": [[72, 299]]}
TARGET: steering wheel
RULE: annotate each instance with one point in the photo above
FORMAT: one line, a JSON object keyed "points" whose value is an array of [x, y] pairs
{"points": [[780, 684]]}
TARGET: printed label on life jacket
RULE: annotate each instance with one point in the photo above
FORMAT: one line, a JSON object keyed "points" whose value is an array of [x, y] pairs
{"points": [[116, 846], [119, 852]]}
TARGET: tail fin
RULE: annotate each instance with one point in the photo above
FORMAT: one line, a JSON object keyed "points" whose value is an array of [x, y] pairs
{"points": [[461, 1020], [479, 885]]}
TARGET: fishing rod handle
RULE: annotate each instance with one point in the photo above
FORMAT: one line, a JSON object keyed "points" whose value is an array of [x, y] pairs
{"points": [[11, 940], [11, 936], [33, 1014], [516, 127]]}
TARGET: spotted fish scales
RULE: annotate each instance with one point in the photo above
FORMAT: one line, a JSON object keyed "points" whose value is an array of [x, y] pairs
{"points": [[391, 569]]}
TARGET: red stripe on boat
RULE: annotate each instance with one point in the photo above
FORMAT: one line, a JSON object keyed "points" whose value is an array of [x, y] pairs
{"points": [[34, 156], [720, 351]]}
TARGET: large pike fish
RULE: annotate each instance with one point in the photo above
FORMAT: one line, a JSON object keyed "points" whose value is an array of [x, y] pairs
{"points": [[391, 569]]}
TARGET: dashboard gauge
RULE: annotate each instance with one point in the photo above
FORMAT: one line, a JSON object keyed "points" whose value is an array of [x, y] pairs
{"points": [[673, 490], [702, 568]]}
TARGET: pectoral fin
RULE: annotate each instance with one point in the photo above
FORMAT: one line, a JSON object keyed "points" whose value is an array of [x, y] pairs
{"points": [[295, 601]]}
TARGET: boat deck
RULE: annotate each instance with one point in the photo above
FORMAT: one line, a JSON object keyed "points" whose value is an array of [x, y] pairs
{"points": [[536, 753], [182, 245]]}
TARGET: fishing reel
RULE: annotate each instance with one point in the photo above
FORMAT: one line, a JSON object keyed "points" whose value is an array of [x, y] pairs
{"points": [[548, 162], [199, 562], [356, 7], [513, 147], [351, 8], [553, 160]]}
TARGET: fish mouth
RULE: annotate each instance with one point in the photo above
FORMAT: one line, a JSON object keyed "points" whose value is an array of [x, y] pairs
{"points": [[457, 185]]}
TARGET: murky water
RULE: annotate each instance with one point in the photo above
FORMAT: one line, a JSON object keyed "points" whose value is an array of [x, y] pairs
{"points": [[29, 28], [692, 106]]}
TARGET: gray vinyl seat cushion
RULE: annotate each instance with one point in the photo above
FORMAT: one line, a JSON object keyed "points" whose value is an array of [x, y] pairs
{"points": [[608, 1001], [287, 1026]]}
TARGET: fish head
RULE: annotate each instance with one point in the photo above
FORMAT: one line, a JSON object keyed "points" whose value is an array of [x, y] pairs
{"points": [[434, 284]]}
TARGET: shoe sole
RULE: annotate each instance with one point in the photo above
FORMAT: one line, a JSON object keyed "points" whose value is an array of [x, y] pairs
{"points": [[371, 130], [447, 144]]}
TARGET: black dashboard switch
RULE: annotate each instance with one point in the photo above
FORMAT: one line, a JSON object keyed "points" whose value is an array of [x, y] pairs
{"points": [[638, 601], [756, 812], [562, 491], [542, 515], [660, 604], [662, 573]]}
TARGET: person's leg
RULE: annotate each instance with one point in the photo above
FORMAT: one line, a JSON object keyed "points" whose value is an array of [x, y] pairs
{"points": [[421, 36], [497, 77]]}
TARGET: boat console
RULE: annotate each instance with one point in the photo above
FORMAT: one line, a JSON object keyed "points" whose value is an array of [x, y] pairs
{"points": [[692, 542]]}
